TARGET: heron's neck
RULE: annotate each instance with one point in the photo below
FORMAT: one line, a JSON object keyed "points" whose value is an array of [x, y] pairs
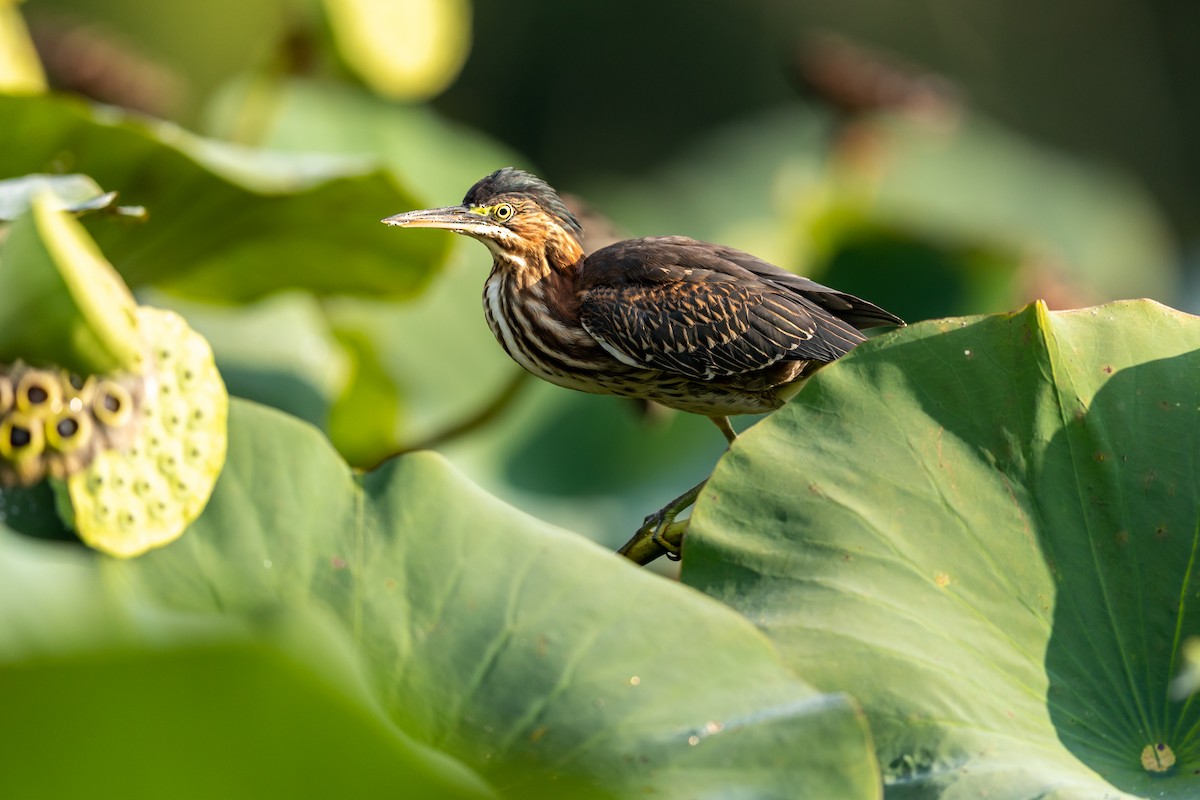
{"points": [[562, 253], [556, 259]]}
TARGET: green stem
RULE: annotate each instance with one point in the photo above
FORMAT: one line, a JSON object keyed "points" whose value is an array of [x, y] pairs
{"points": [[661, 534], [476, 420]]}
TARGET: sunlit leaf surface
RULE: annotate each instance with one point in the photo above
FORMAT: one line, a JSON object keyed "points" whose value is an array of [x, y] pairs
{"points": [[521, 649], [985, 530]]}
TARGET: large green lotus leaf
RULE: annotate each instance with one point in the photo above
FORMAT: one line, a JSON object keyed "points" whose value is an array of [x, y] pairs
{"points": [[224, 223], [985, 531], [420, 148], [527, 652], [98, 692]]}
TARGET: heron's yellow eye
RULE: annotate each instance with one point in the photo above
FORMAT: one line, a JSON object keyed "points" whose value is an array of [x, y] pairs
{"points": [[503, 212]]}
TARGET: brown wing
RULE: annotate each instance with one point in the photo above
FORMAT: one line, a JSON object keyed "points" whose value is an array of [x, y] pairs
{"points": [[687, 307]]}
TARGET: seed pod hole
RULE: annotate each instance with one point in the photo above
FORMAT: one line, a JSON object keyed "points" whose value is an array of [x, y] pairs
{"points": [[69, 431], [39, 392], [21, 437], [112, 404]]}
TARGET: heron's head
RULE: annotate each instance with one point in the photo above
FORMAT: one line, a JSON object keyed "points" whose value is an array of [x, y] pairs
{"points": [[520, 218]]}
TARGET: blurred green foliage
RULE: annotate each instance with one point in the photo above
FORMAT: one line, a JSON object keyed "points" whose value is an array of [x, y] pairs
{"points": [[384, 346], [73, 310], [266, 139], [928, 217]]}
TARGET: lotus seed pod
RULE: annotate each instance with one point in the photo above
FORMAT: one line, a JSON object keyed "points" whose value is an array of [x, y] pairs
{"points": [[68, 432], [131, 499]]}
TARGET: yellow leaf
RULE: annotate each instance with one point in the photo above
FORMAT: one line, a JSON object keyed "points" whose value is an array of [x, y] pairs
{"points": [[20, 70], [409, 49]]}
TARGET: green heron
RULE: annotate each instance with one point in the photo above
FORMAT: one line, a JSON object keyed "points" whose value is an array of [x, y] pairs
{"points": [[691, 325]]}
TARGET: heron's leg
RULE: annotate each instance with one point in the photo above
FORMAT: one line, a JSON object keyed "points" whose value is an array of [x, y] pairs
{"points": [[660, 533], [726, 428], [651, 540]]}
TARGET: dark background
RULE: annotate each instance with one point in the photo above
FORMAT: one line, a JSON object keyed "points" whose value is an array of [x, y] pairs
{"points": [[617, 86]]}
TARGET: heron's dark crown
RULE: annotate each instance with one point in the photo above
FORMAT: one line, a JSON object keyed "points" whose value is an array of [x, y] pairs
{"points": [[510, 181]]}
